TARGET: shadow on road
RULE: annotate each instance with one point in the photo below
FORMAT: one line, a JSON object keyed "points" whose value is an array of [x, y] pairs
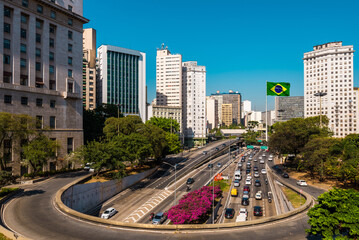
{"points": [[31, 193]]}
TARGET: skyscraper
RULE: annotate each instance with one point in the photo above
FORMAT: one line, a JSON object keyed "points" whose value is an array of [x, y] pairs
{"points": [[122, 79], [328, 78], [233, 98], [168, 78], [89, 68], [287, 108], [41, 71], [194, 100]]}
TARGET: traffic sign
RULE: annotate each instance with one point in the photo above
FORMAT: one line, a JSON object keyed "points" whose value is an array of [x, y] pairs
{"points": [[250, 147], [259, 140], [264, 147]]}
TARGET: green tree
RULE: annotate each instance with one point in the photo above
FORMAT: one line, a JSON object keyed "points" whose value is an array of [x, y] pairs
{"points": [[126, 125], [173, 143], [38, 151], [157, 138], [335, 215], [291, 136], [165, 124], [250, 137]]}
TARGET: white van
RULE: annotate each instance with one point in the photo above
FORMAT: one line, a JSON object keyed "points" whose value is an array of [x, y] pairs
{"points": [[237, 175]]}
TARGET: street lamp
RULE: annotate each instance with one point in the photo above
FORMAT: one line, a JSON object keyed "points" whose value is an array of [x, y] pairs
{"points": [[320, 95]]}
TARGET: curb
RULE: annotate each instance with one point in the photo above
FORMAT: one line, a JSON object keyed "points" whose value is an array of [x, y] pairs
{"points": [[107, 222]]}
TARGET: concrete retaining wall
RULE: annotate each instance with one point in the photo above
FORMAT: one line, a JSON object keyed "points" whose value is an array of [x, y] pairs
{"points": [[83, 197]]}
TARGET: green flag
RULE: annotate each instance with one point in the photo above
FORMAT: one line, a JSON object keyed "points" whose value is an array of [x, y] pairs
{"points": [[278, 88]]}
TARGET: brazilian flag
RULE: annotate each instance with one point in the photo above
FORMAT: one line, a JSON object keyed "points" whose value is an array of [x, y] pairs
{"points": [[278, 88]]}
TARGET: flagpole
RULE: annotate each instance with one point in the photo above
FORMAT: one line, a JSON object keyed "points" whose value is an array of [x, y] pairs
{"points": [[266, 114]]}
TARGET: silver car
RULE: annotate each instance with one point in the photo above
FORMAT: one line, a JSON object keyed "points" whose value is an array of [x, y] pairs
{"points": [[159, 218], [109, 212]]}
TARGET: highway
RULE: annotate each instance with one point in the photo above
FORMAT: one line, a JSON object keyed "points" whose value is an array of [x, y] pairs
{"points": [[32, 214]]}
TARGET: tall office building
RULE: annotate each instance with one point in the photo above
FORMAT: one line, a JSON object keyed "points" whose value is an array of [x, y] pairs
{"points": [[227, 114], [218, 101], [194, 101], [41, 71], [287, 108], [212, 113], [89, 69], [168, 78], [328, 71], [233, 98], [122, 79]]}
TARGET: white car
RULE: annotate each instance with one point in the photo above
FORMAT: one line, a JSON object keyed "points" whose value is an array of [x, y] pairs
{"points": [[261, 161], [302, 183], [270, 159], [242, 216], [255, 160], [260, 158], [248, 182], [263, 171], [256, 174], [236, 183], [264, 155], [249, 177], [243, 211], [258, 195], [271, 156], [109, 212]]}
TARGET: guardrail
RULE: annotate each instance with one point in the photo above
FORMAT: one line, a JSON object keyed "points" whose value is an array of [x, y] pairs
{"points": [[108, 222]]}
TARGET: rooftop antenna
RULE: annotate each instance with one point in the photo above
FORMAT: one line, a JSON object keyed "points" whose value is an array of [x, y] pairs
{"points": [[162, 46]]}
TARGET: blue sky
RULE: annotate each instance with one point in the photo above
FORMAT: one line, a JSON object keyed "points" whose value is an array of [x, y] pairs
{"points": [[243, 44]]}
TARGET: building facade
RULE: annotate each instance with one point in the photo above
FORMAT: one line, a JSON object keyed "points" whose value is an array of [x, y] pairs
{"points": [[227, 114], [41, 72], [219, 101], [233, 98], [122, 79], [168, 78], [328, 71], [194, 101], [89, 69], [212, 113], [169, 112], [287, 108]]}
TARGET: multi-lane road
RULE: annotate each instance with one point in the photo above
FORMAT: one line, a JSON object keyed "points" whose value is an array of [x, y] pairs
{"points": [[33, 214]]}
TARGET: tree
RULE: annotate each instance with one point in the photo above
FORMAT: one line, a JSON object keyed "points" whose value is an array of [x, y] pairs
{"points": [[157, 138], [336, 214], [166, 124], [38, 151], [291, 136], [173, 143], [126, 125], [250, 137]]}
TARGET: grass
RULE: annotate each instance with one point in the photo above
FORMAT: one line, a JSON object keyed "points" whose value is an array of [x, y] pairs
{"points": [[3, 237], [223, 184], [294, 197], [5, 191]]}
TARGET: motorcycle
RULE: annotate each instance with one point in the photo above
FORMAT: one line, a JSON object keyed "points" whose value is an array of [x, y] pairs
{"points": [[188, 188], [151, 216]]}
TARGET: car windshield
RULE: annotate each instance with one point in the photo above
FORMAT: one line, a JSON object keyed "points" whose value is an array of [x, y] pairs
{"points": [[157, 217], [106, 212]]}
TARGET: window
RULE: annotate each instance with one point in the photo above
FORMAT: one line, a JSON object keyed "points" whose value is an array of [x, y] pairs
{"points": [[25, 3], [38, 66], [69, 8], [40, 9], [52, 122], [23, 63], [69, 34], [7, 43], [52, 103], [52, 28], [7, 99], [6, 59], [38, 38], [69, 73], [38, 24], [69, 47], [23, 18], [51, 69], [23, 48], [70, 145], [39, 102], [23, 33], [53, 15], [51, 56], [52, 85], [24, 100], [38, 122], [7, 27], [52, 42], [69, 60], [70, 87], [7, 12], [70, 22], [7, 77], [38, 52], [23, 80]]}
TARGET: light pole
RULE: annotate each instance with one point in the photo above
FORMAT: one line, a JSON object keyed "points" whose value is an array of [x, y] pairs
{"points": [[320, 95]]}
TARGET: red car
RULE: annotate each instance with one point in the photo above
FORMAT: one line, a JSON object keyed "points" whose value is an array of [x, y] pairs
{"points": [[246, 188]]}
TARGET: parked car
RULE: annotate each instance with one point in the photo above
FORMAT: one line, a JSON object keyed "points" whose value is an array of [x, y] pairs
{"points": [[302, 183], [190, 181], [109, 212], [285, 175], [264, 171], [236, 183], [229, 213], [258, 195], [257, 211], [159, 218], [257, 183]]}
